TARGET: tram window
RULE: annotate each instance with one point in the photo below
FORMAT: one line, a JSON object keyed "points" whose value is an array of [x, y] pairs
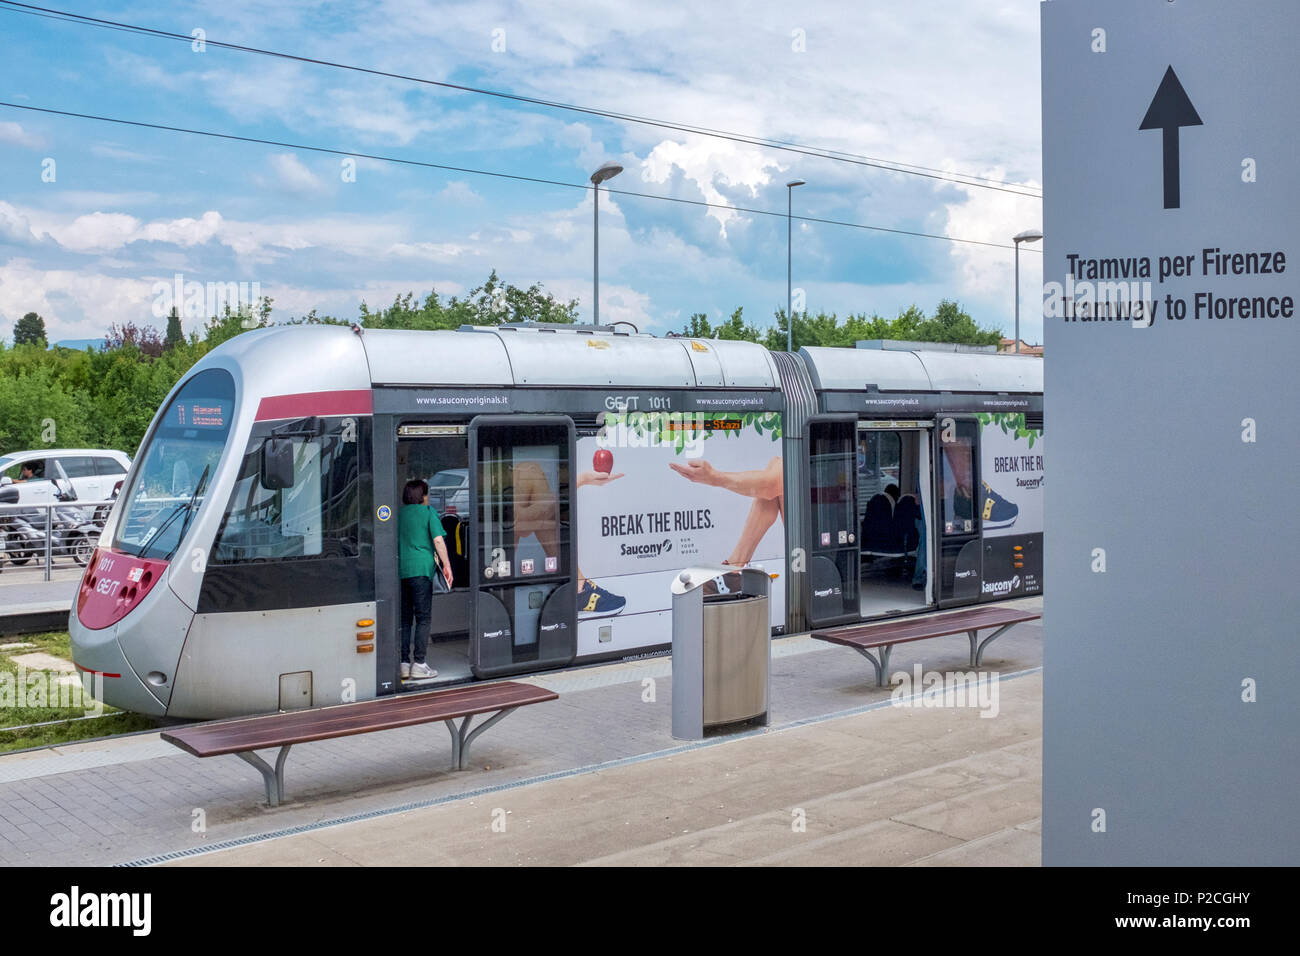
{"points": [[523, 508], [880, 456], [957, 479], [829, 477], [317, 516]]}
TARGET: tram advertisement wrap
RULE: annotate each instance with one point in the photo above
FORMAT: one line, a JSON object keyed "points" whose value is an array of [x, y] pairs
{"points": [[658, 493], [1011, 463]]}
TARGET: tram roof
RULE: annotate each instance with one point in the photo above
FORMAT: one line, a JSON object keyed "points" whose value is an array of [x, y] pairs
{"points": [[546, 357], [541, 357], [838, 369]]}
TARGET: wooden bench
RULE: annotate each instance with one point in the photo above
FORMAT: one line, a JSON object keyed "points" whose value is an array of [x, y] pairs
{"points": [[864, 637], [242, 736]]}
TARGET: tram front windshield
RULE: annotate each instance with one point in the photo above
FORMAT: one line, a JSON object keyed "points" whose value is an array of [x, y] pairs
{"points": [[177, 467]]}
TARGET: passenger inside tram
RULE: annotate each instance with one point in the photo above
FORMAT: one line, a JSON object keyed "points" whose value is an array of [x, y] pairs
{"points": [[422, 554]]}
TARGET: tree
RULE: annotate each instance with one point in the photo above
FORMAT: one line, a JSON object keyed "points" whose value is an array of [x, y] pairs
{"points": [[174, 334], [492, 303], [145, 339], [951, 324], [733, 329], [29, 330], [232, 322]]}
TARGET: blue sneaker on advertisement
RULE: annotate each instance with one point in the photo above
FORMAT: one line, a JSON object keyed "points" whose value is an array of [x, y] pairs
{"points": [[998, 512], [595, 601]]}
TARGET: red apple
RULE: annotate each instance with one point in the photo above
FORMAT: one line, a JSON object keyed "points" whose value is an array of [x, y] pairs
{"points": [[603, 461]]}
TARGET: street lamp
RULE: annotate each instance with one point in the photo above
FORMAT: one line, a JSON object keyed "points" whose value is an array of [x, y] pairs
{"points": [[1029, 235], [789, 318], [608, 171]]}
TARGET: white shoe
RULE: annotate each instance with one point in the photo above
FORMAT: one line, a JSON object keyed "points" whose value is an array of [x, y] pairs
{"points": [[406, 669], [421, 671]]}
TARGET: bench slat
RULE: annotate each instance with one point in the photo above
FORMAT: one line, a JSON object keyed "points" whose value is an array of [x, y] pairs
{"points": [[342, 720], [900, 632]]}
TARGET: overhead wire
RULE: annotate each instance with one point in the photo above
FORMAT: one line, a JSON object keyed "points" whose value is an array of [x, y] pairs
{"points": [[928, 172], [282, 144]]}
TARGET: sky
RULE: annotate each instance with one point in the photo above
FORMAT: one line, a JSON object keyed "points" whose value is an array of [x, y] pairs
{"points": [[96, 218]]}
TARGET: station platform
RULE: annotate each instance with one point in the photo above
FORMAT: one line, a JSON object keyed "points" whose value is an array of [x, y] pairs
{"points": [[842, 776], [29, 604]]}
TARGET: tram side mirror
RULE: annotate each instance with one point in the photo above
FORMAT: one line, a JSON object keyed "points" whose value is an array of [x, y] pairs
{"points": [[277, 464]]}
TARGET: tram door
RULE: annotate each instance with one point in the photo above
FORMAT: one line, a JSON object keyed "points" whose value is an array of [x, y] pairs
{"points": [[523, 604], [831, 581], [957, 472]]}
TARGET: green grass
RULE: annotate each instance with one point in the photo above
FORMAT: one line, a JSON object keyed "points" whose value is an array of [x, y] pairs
{"points": [[65, 729]]}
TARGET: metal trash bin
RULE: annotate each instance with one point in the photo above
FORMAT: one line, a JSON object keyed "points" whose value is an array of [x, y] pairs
{"points": [[722, 648]]}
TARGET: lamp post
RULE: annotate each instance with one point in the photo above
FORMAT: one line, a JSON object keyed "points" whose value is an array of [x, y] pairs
{"points": [[608, 171], [789, 204], [1029, 235]]}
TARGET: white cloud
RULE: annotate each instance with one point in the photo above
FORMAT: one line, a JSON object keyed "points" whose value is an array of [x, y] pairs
{"points": [[988, 274], [108, 151], [14, 134], [97, 232], [83, 303], [102, 232], [14, 224], [293, 175], [706, 162], [458, 192], [431, 251], [74, 303]]}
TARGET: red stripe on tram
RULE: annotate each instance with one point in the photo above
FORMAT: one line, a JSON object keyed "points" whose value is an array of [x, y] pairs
{"points": [[358, 401]]}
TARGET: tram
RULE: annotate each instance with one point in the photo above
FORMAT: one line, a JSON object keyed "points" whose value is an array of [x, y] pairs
{"points": [[251, 563]]}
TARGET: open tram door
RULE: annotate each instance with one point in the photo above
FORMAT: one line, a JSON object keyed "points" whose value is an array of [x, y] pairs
{"points": [[895, 498], [959, 525], [523, 603], [831, 581]]}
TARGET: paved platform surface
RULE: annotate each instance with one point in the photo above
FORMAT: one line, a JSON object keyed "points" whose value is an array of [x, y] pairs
{"points": [[136, 799], [27, 585], [29, 604], [892, 786]]}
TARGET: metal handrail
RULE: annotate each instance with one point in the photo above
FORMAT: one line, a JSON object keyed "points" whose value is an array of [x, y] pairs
{"points": [[28, 513]]}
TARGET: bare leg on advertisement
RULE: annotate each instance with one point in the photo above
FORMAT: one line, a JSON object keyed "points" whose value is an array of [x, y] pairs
{"points": [[762, 515], [766, 487]]}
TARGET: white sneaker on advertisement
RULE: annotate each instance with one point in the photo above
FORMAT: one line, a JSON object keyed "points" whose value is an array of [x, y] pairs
{"points": [[406, 669], [421, 671]]}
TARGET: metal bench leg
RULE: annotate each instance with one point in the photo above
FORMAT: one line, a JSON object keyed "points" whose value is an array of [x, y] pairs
{"points": [[274, 779], [879, 665], [977, 649], [461, 752], [455, 743]]}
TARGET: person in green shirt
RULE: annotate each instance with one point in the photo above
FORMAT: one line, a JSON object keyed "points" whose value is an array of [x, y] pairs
{"points": [[421, 553]]}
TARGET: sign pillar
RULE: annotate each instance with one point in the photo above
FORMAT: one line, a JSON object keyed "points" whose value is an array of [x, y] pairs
{"points": [[1171, 274]]}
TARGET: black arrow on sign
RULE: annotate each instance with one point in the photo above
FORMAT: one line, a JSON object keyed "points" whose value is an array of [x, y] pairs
{"points": [[1170, 109]]}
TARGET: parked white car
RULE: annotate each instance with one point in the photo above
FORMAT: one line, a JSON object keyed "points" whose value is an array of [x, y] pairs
{"points": [[93, 472], [449, 491]]}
